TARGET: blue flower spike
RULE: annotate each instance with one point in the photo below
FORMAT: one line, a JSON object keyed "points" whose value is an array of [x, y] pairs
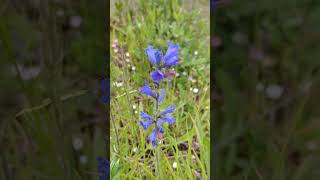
{"points": [[171, 58], [154, 55], [157, 76], [104, 168], [159, 62], [148, 91]]}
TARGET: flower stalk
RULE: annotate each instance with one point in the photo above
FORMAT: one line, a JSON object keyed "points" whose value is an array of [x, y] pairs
{"points": [[161, 63]]}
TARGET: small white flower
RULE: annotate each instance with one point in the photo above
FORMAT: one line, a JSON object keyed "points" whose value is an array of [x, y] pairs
{"points": [[174, 165], [116, 41], [115, 50], [177, 74], [196, 53], [207, 107], [77, 143], [119, 84], [184, 73], [195, 90], [190, 78], [134, 106], [136, 112], [133, 68], [190, 89], [134, 149], [193, 157], [127, 54], [127, 60], [75, 21], [83, 159], [114, 45], [274, 91]]}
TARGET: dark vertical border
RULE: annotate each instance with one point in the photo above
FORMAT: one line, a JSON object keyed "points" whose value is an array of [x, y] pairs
{"points": [[107, 23], [212, 85]]}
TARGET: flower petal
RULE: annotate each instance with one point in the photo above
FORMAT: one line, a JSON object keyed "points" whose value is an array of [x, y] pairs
{"points": [[157, 76], [145, 89], [160, 123], [153, 137], [154, 55], [145, 116], [104, 99], [105, 85], [171, 57], [169, 119], [170, 109], [162, 95], [146, 124]]}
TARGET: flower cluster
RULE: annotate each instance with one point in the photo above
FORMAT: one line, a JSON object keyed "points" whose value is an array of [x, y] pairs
{"points": [[105, 88], [104, 169], [160, 63]]}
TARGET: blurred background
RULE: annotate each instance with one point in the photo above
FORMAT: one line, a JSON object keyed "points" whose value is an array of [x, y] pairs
{"points": [[266, 95], [53, 55]]}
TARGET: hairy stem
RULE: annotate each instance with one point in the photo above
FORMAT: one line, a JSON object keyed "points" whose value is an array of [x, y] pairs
{"points": [[157, 129]]}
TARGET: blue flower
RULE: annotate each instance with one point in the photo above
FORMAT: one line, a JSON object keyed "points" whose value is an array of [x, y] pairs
{"points": [[148, 122], [162, 95], [169, 119], [104, 168], [105, 88], [153, 137], [171, 58], [145, 116], [154, 55], [157, 76], [147, 90], [170, 109]]}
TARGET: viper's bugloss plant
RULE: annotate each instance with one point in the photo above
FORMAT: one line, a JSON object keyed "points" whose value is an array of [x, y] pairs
{"points": [[104, 169], [160, 63]]}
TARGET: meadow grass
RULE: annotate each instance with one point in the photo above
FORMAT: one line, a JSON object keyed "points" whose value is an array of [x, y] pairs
{"points": [[50, 97], [258, 45], [137, 24]]}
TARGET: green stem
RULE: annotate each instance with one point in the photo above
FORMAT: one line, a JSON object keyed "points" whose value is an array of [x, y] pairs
{"points": [[157, 129]]}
